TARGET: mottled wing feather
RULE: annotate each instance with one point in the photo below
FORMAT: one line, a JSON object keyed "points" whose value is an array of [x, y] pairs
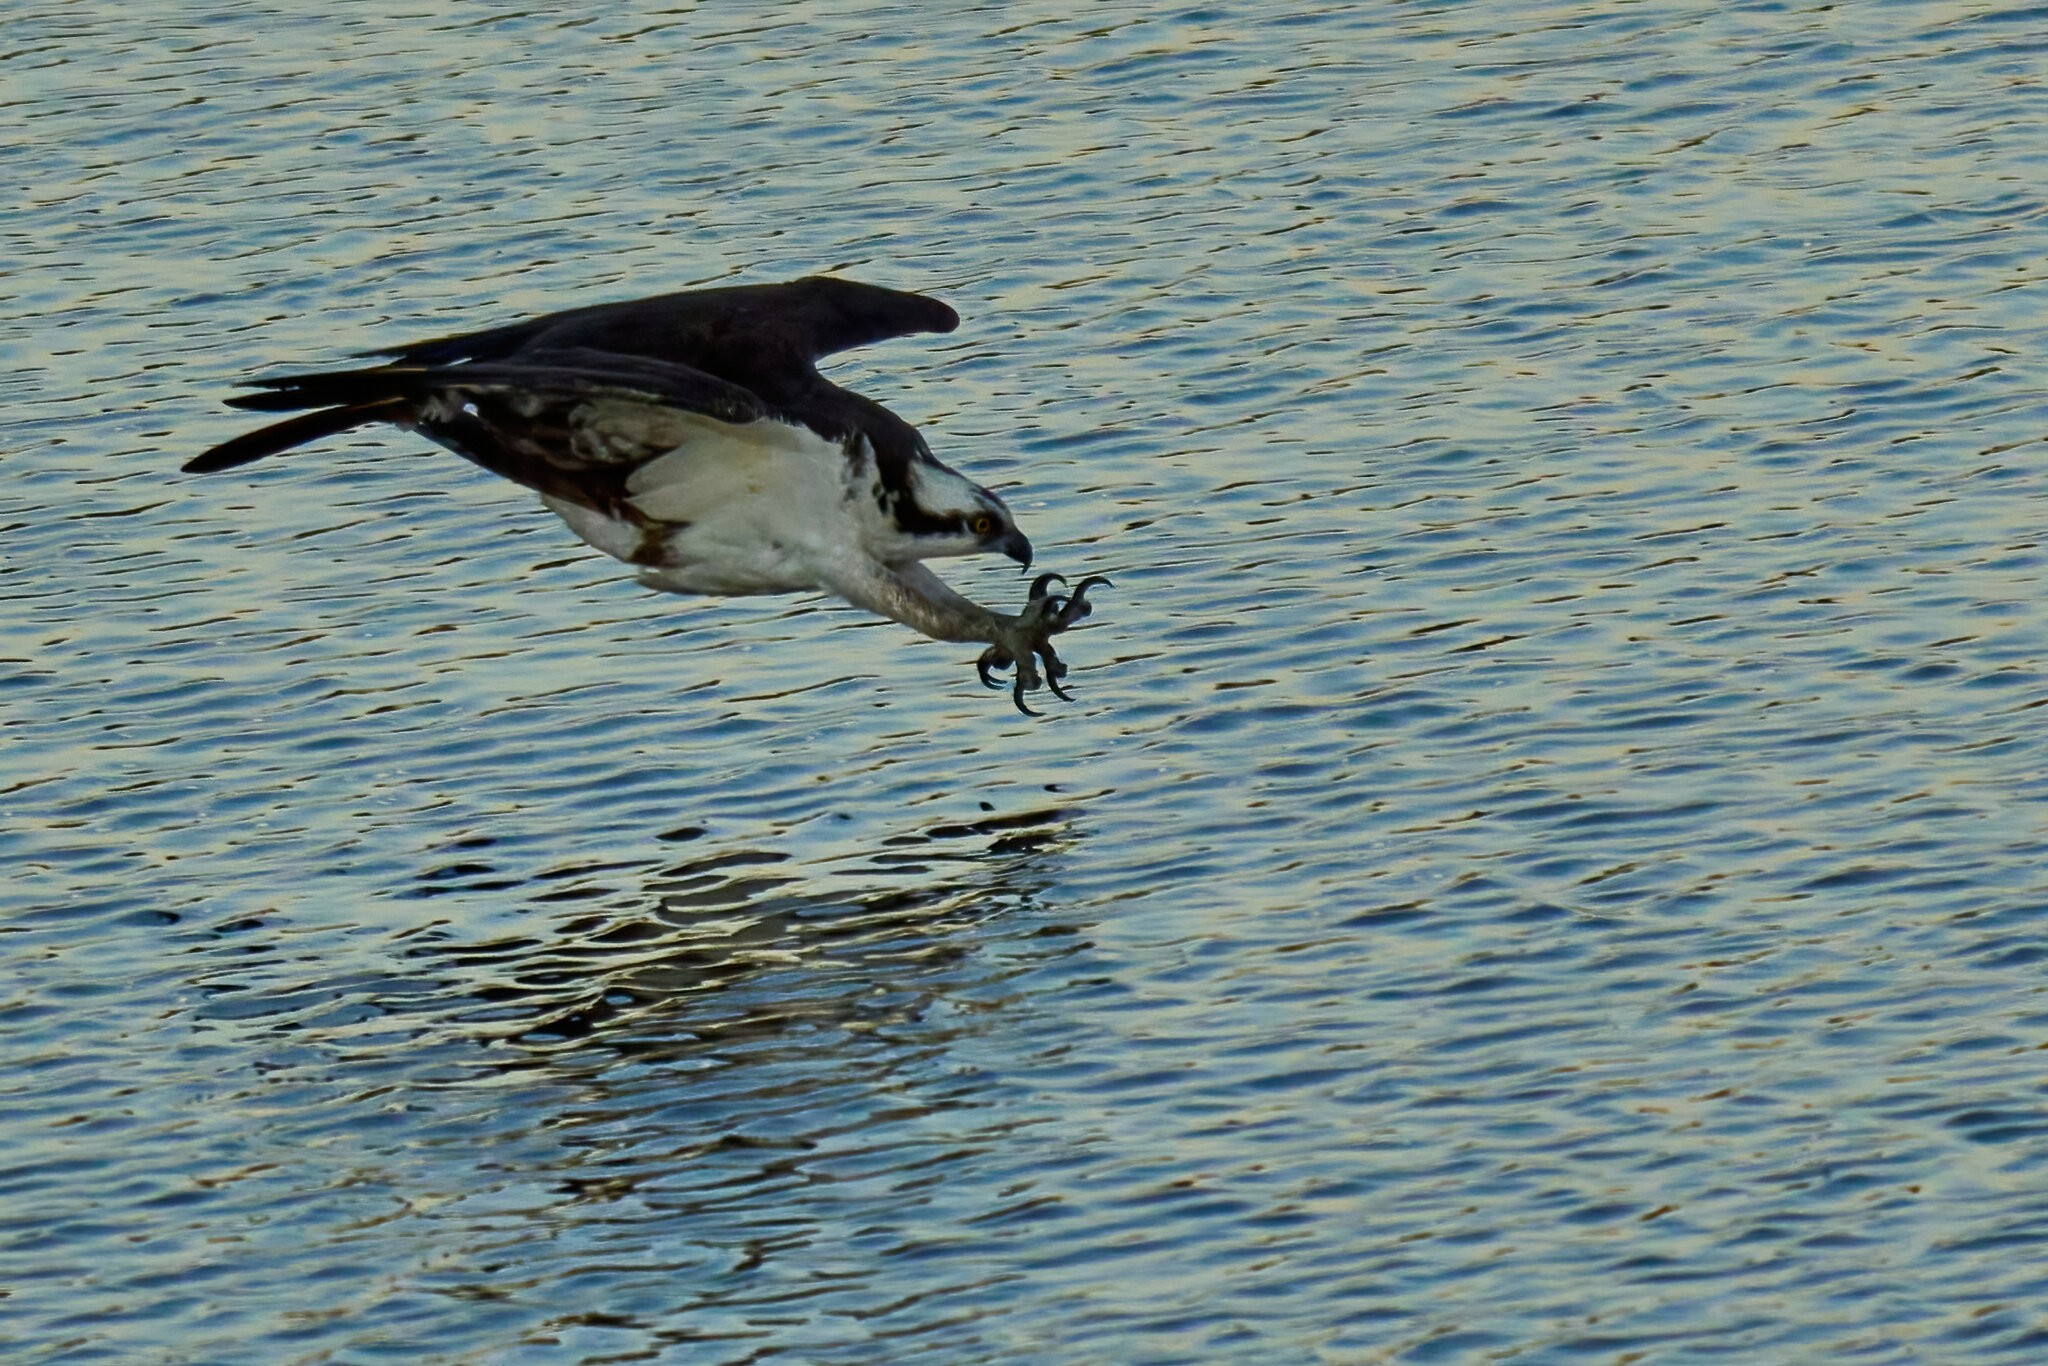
{"points": [[572, 424], [571, 430]]}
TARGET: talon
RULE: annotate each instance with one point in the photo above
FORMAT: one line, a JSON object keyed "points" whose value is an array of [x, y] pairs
{"points": [[1077, 607], [1054, 671], [1030, 634], [1027, 679]]}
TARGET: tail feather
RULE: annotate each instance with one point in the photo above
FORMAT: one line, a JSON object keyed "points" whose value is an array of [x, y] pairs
{"points": [[284, 393], [293, 431]]}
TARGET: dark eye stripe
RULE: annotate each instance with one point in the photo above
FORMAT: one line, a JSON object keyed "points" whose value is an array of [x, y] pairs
{"points": [[918, 522]]}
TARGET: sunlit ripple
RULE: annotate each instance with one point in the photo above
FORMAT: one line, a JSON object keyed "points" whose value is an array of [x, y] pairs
{"points": [[1546, 860]]}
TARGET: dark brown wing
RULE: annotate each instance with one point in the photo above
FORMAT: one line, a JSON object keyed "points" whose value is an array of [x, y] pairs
{"points": [[571, 423], [736, 354], [765, 338]]}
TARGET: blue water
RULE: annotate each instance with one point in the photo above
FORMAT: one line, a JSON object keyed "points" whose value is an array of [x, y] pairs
{"points": [[1548, 861]]}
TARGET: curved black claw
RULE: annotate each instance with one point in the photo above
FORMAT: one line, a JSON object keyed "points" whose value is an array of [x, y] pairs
{"points": [[1077, 607], [992, 659], [1042, 585], [1017, 694], [1054, 670]]}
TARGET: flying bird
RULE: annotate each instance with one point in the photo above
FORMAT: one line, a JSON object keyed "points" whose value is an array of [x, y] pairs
{"points": [[691, 436]]}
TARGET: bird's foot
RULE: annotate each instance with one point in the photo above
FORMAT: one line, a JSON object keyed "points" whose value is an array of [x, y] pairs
{"points": [[1028, 638]]}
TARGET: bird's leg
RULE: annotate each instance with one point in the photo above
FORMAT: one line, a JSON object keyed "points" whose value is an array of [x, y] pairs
{"points": [[1027, 639], [914, 595]]}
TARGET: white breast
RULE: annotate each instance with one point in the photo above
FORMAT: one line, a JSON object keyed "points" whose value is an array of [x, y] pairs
{"points": [[759, 507]]}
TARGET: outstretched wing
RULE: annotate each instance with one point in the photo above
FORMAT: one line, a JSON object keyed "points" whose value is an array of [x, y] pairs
{"points": [[568, 371], [572, 424], [517, 399], [764, 338]]}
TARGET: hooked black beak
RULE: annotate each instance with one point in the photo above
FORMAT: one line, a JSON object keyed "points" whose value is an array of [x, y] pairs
{"points": [[1016, 547]]}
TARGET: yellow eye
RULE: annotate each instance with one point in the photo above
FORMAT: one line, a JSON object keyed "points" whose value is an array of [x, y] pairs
{"points": [[981, 524]]}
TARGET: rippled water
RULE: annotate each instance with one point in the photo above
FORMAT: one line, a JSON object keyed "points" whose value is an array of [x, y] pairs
{"points": [[1548, 862]]}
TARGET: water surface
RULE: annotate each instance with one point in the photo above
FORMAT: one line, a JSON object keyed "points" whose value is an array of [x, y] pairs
{"points": [[1547, 863]]}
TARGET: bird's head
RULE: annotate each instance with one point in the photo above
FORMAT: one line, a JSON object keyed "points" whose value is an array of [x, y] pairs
{"points": [[941, 512]]}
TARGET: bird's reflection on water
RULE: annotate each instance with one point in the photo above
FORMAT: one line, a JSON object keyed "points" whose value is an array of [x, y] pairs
{"points": [[682, 961], [742, 1036], [665, 959]]}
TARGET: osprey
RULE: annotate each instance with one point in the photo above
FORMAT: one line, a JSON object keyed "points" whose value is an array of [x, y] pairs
{"points": [[691, 436]]}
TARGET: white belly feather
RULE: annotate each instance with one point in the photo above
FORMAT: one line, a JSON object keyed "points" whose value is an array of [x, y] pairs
{"points": [[762, 507]]}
